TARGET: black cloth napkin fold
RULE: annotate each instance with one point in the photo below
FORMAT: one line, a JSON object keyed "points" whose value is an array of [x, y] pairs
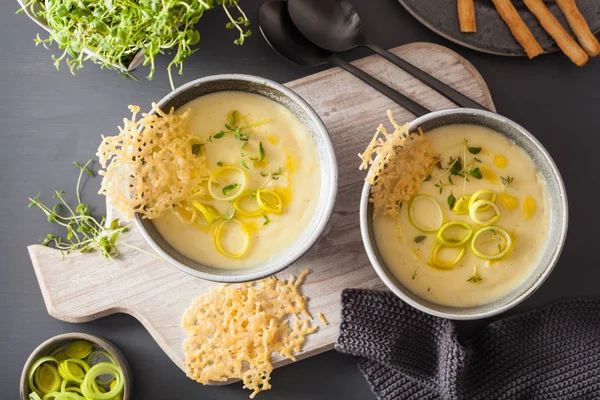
{"points": [[549, 353]]}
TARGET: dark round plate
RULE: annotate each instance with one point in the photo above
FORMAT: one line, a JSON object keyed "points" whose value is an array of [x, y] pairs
{"points": [[493, 36]]}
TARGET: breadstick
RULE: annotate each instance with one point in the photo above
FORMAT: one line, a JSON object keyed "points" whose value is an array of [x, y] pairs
{"points": [[579, 26], [567, 44], [466, 15], [518, 28]]}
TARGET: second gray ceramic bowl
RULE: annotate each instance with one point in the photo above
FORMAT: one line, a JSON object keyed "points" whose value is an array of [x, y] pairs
{"points": [[56, 342], [557, 232], [328, 169]]}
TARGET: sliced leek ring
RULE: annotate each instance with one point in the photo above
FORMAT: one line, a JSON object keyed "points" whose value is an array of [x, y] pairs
{"points": [[218, 234], [452, 243], [478, 195], [262, 199], [61, 396], [64, 387], [32, 371], [412, 216], [462, 205], [99, 356], [434, 258], [34, 396], [73, 369], [480, 204], [207, 212], [79, 349], [246, 213], [61, 356], [46, 378], [214, 178], [89, 385], [502, 252], [73, 389]]}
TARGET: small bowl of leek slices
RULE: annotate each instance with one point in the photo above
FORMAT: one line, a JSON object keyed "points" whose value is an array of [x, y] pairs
{"points": [[76, 366]]}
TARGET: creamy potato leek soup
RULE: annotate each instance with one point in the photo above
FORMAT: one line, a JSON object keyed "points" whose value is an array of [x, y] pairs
{"points": [[475, 226], [261, 183]]}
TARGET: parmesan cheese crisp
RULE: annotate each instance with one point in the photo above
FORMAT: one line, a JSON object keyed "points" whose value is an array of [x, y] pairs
{"points": [[234, 329], [402, 161], [153, 165]]}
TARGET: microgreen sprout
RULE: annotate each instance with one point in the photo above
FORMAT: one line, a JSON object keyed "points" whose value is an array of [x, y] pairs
{"points": [[232, 127], [84, 232], [118, 30]]}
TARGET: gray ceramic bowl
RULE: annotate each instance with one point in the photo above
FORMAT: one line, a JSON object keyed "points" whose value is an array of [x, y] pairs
{"points": [[558, 216], [328, 168], [55, 342]]}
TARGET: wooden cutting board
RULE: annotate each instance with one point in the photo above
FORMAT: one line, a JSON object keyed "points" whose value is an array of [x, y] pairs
{"points": [[157, 294]]}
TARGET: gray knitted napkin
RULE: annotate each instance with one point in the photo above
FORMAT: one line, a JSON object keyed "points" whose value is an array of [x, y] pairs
{"points": [[550, 353]]}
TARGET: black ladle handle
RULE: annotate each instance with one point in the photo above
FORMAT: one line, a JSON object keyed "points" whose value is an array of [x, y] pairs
{"points": [[452, 94], [399, 98]]}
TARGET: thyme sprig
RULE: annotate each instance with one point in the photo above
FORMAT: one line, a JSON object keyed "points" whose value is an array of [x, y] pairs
{"points": [[84, 233], [507, 181], [459, 167], [475, 277]]}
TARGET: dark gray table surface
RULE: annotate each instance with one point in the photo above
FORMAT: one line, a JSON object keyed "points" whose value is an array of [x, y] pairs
{"points": [[49, 118]]}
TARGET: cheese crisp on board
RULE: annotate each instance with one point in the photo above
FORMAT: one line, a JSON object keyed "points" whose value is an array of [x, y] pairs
{"points": [[234, 329]]}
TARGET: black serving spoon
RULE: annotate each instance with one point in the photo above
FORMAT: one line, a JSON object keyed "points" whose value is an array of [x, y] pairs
{"points": [[283, 37], [336, 26]]}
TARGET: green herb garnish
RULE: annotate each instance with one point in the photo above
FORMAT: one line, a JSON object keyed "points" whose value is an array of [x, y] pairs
{"points": [[441, 185], [220, 163], [196, 148], [507, 181], [451, 200], [456, 166], [475, 277], [472, 150], [229, 214], [229, 188], [84, 232], [277, 174], [232, 127], [267, 220], [420, 239], [438, 161], [118, 30], [427, 179], [261, 152], [475, 173]]}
